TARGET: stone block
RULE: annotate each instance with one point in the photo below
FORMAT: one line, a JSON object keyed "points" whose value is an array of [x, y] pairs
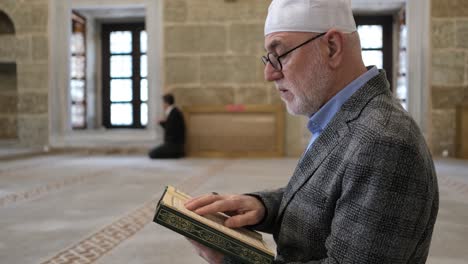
{"points": [[243, 69], [33, 77], [251, 95], [466, 70], [8, 48], [181, 39], [209, 11], [297, 135], [449, 8], [175, 10], [180, 70], [212, 39], [443, 131], [23, 48], [33, 103], [219, 11], [275, 97], [22, 18], [214, 69], [31, 18], [8, 77], [33, 130], [8, 103], [8, 127], [443, 33], [246, 39], [448, 68], [7, 5], [462, 33], [204, 96], [260, 69], [228, 69], [191, 39], [40, 48], [39, 15], [448, 97]]}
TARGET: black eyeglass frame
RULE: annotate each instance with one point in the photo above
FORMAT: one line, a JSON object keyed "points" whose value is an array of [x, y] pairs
{"points": [[266, 59]]}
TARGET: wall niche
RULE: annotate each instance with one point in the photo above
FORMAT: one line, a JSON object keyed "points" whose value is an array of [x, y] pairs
{"points": [[6, 24], [8, 83]]}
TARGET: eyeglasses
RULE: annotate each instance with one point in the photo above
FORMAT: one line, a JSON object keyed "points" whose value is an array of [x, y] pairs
{"points": [[275, 60]]}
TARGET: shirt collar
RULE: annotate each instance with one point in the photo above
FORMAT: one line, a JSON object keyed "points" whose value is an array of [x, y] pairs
{"points": [[169, 109], [323, 116]]}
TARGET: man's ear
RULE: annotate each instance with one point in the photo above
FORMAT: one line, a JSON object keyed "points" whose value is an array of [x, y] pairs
{"points": [[335, 43]]}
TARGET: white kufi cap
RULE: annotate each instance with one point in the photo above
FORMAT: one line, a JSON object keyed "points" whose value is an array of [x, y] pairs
{"points": [[309, 16]]}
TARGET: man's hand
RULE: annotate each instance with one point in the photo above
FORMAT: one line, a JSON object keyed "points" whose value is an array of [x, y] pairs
{"points": [[243, 209], [210, 255]]}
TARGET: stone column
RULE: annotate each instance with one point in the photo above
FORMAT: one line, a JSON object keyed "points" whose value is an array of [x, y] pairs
{"points": [[449, 70]]}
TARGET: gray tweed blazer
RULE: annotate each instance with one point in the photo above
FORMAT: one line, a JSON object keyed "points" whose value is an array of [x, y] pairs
{"points": [[365, 192]]}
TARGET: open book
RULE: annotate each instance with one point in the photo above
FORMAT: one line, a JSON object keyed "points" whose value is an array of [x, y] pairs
{"points": [[242, 244]]}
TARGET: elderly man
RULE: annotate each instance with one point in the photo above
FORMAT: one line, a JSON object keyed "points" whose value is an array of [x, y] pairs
{"points": [[365, 189]]}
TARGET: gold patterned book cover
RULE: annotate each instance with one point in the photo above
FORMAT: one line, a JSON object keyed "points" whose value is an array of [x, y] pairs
{"points": [[242, 244]]}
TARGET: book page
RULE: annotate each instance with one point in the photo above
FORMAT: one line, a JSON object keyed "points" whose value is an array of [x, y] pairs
{"points": [[176, 199]]}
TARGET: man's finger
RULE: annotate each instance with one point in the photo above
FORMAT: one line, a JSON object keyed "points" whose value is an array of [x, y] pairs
{"points": [[201, 201], [219, 206], [249, 218]]}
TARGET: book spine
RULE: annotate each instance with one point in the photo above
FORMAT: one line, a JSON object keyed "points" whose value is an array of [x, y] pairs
{"points": [[210, 237]]}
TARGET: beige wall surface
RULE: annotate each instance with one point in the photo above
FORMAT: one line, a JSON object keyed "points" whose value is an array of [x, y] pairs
{"points": [[449, 70], [28, 48], [212, 51]]}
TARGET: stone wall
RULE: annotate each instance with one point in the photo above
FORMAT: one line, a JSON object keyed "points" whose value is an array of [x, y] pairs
{"points": [[449, 70], [212, 51], [28, 49]]}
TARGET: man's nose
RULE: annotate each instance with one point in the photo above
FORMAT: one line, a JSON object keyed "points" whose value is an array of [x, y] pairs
{"points": [[271, 74]]}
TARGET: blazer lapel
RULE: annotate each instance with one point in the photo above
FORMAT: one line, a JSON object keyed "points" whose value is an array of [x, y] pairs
{"points": [[312, 159], [332, 136]]}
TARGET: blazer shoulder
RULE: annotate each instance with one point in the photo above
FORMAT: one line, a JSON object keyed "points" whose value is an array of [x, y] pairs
{"points": [[384, 119]]}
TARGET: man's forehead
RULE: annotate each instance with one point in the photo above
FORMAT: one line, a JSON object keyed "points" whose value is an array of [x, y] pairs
{"points": [[279, 39], [276, 39]]}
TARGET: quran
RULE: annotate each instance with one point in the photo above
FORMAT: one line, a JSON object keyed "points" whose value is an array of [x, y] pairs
{"points": [[241, 244]]}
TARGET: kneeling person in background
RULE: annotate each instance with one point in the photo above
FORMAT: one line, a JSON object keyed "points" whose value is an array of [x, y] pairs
{"points": [[174, 132]]}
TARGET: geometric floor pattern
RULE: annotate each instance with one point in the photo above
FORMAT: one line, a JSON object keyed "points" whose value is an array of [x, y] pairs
{"points": [[98, 209]]}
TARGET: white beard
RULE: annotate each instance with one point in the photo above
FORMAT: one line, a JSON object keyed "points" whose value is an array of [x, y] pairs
{"points": [[310, 91]]}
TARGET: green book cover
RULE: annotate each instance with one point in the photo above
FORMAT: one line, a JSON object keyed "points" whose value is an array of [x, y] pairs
{"points": [[242, 244]]}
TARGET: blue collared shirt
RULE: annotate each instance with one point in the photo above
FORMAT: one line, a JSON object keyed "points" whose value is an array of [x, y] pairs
{"points": [[324, 115]]}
